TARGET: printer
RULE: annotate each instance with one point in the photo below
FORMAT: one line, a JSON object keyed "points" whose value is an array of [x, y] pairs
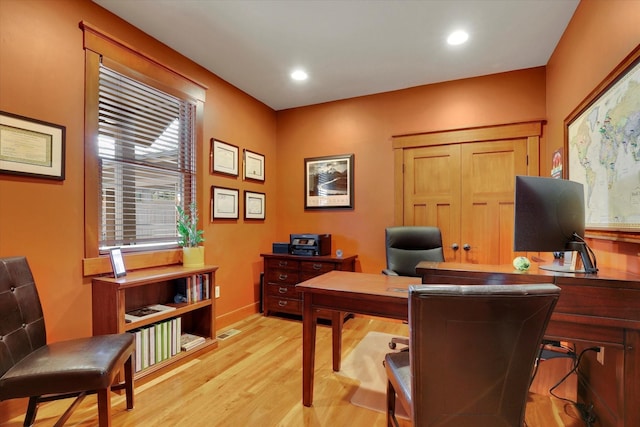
{"points": [[310, 244]]}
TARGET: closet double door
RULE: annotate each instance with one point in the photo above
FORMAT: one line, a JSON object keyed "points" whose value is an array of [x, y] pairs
{"points": [[466, 187]]}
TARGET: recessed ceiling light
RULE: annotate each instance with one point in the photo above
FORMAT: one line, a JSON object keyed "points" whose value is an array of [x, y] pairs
{"points": [[457, 37], [299, 75]]}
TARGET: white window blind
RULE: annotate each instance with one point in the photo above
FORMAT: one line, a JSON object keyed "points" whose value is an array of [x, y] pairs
{"points": [[146, 148]]}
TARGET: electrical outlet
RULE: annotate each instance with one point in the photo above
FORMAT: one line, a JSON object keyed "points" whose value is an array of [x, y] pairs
{"points": [[217, 291], [600, 356]]}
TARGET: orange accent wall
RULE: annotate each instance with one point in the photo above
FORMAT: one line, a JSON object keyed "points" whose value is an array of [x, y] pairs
{"points": [[600, 35], [42, 76]]}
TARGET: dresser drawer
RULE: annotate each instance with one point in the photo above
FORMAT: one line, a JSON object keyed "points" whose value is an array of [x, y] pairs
{"points": [[282, 290], [282, 264], [284, 305], [316, 268], [277, 276]]}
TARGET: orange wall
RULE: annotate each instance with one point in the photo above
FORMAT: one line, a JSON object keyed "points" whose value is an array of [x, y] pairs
{"points": [[364, 126], [601, 34], [42, 76]]}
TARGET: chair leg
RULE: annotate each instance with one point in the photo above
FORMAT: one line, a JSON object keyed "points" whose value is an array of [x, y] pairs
{"points": [[391, 406], [104, 407], [32, 410], [128, 379]]}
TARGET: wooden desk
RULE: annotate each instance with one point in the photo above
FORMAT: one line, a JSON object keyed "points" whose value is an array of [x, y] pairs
{"points": [[602, 309], [341, 291]]}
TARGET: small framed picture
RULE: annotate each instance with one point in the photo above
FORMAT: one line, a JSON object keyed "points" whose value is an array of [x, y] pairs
{"points": [[254, 205], [117, 262], [224, 157], [224, 203], [328, 182], [31, 147], [253, 166]]}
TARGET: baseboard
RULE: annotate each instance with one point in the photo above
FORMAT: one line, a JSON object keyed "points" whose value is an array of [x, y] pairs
{"points": [[232, 317]]}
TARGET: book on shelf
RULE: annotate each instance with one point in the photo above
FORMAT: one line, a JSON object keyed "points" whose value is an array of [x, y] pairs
{"points": [[146, 312], [156, 343], [189, 341]]}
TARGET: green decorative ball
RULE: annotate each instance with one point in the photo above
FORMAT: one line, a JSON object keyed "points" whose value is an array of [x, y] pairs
{"points": [[521, 263]]}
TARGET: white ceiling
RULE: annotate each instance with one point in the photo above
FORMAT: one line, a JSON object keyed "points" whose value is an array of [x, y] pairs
{"points": [[349, 47]]}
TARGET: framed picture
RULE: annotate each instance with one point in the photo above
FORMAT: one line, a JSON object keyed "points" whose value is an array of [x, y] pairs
{"points": [[600, 141], [224, 157], [224, 202], [31, 147], [117, 262], [253, 166], [328, 182], [254, 205]]}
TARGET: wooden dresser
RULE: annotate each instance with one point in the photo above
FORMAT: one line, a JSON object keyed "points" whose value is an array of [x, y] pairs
{"points": [[283, 271]]}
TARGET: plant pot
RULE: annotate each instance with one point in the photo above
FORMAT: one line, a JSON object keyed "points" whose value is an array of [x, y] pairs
{"points": [[193, 257]]}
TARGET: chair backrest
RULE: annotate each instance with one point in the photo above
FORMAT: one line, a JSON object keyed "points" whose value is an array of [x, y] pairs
{"points": [[472, 351], [22, 328], [406, 246]]}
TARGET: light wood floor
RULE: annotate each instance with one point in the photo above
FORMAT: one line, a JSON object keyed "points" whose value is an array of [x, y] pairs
{"points": [[255, 379]]}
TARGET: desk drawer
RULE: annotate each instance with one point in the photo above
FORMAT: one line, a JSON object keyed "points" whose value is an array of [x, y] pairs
{"points": [[282, 291], [311, 269], [284, 305], [278, 276]]}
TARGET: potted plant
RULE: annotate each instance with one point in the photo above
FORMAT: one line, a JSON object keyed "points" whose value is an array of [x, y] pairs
{"points": [[190, 236]]}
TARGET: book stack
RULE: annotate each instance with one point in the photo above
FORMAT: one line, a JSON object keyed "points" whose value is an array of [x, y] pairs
{"points": [[157, 342], [189, 341], [194, 288], [146, 312]]}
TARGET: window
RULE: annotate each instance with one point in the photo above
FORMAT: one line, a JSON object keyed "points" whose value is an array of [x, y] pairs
{"points": [[146, 141], [143, 130]]}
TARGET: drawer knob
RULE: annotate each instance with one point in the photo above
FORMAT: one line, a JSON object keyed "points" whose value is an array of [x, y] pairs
{"points": [[283, 276], [282, 303], [282, 290], [317, 266], [282, 263]]}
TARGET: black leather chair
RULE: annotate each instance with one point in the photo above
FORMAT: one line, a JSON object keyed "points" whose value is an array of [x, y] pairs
{"points": [[471, 354], [29, 367], [406, 246]]}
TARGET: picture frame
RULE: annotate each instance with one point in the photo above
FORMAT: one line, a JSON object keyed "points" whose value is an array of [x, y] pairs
{"points": [[328, 182], [117, 262], [31, 147], [254, 205], [224, 157], [224, 203], [597, 127], [253, 165]]}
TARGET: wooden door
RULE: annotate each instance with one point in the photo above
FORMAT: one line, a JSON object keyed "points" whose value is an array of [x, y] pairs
{"points": [[463, 182], [432, 192], [487, 198]]}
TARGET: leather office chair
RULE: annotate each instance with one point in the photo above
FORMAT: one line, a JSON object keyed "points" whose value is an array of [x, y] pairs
{"points": [[29, 367], [472, 353], [406, 246]]}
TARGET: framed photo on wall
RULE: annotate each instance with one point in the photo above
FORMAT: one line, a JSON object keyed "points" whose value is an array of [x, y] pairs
{"points": [[254, 205], [31, 147], [224, 157], [328, 182], [600, 136], [117, 262], [224, 203], [253, 166]]}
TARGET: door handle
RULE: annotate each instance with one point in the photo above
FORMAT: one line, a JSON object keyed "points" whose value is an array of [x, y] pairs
{"points": [[466, 247], [455, 247]]}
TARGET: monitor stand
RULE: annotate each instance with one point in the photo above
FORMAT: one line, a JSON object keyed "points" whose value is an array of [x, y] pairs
{"points": [[587, 264]]}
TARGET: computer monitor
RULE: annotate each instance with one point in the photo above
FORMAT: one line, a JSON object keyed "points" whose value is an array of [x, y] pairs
{"points": [[549, 217]]}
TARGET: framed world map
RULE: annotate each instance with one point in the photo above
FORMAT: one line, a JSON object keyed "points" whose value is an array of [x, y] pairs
{"points": [[602, 142]]}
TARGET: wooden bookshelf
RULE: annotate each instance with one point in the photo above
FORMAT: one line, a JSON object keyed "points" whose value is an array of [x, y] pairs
{"points": [[113, 297]]}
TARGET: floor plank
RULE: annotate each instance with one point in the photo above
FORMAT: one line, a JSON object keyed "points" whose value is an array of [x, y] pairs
{"points": [[255, 379]]}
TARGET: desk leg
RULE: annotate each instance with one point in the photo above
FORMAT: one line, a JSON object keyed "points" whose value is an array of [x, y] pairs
{"points": [[337, 319], [308, 347]]}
